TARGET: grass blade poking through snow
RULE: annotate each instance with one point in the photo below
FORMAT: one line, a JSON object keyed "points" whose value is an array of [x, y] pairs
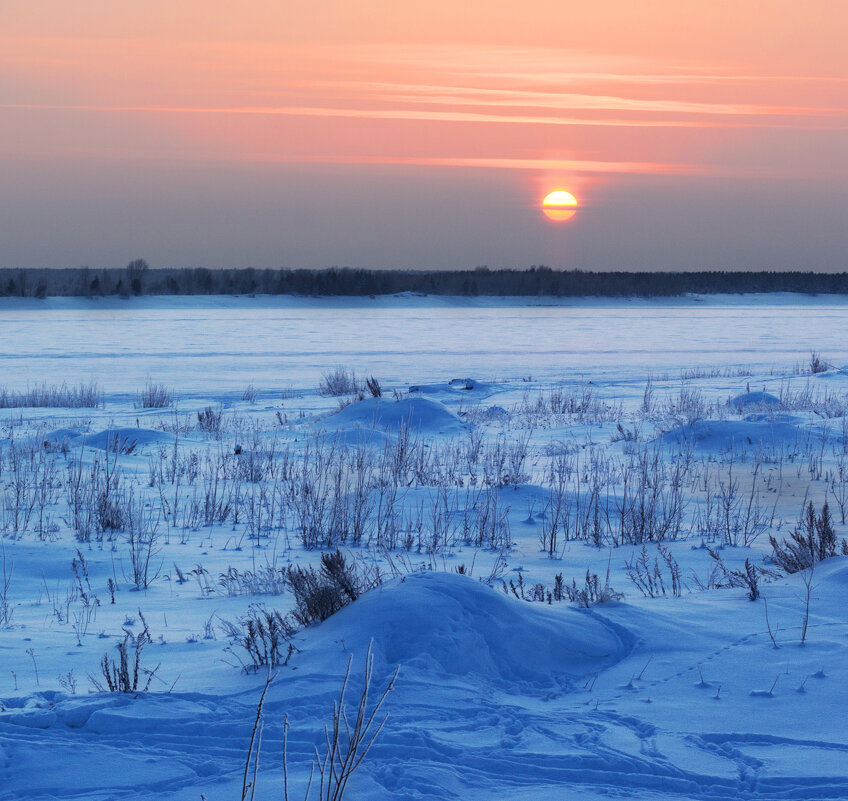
{"points": [[348, 741], [341, 760]]}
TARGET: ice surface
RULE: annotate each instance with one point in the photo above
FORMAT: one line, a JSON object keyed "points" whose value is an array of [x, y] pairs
{"points": [[220, 344]]}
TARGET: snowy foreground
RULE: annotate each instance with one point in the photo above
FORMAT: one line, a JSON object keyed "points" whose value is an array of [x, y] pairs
{"points": [[643, 672]]}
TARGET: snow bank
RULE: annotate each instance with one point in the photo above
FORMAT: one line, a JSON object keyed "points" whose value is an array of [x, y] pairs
{"points": [[445, 627], [126, 438], [62, 435], [724, 435], [422, 414], [755, 399]]}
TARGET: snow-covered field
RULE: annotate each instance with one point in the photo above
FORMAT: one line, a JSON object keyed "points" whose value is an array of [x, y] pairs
{"points": [[639, 451]]}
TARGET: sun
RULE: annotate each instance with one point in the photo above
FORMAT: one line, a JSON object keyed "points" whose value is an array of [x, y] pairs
{"points": [[559, 205]]}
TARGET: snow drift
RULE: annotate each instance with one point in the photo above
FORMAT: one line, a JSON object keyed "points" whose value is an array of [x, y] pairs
{"points": [[755, 400], [756, 431], [125, 439], [421, 414], [445, 627]]}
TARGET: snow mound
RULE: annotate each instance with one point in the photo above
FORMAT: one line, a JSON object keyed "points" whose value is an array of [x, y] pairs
{"points": [[465, 384], [443, 626], [754, 432], [421, 414], [126, 439], [62, 436], [747, 399], [495, 414]]}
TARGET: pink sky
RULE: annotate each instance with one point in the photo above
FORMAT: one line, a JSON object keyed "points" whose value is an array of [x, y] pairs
{"points": [[695, 135]]}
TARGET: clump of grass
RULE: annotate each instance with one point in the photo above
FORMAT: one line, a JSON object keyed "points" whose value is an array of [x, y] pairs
{"points": [[154, 396], [373, 386], [813, 540], [126, 675], [267, 580], [209, 420], [265, 635], [77, 396], [817, 364], [338, 381]]}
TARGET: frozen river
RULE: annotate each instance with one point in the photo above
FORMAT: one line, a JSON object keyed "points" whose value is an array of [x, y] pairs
{"points": [[222, 343]]}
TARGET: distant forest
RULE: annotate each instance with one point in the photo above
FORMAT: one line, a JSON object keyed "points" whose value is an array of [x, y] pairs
{"points": [[138, 279]]}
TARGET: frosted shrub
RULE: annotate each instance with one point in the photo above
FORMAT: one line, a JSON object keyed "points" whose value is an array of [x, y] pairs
{"points": [[264, 636], [373, 386], [319, 594], [338, 381], [126, 675], [813, 540], [143, 540], [592, 592], [688, 405], [817, 364], [154, 396], [747, 578], [657, 578], [209, 420]]}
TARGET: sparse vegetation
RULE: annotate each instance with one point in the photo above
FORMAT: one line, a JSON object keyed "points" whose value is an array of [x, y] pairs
{"points": [[265, 635], [658, 578], [77, 396], [748, 577], [586, 595], [154, 396], [348, 739]]}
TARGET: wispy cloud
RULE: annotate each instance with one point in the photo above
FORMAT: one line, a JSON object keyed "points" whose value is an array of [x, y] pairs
{"points": [[571, 166], [573, 101], [504, 88], [434, 115]]}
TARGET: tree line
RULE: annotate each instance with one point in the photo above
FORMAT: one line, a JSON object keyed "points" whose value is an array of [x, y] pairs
{"points": [[537, 281]]}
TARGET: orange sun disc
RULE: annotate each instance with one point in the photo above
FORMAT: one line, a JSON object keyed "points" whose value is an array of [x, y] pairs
{"points": [[559, 205]]}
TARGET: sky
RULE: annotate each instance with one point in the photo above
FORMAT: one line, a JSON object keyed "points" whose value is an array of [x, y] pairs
{"points": [[375, 133]]}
